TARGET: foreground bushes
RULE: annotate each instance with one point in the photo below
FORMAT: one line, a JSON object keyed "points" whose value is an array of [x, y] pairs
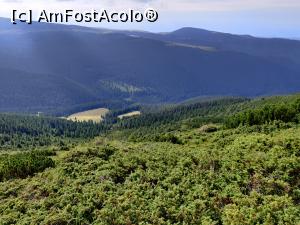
{"points": [[228, 177], [22, 165]]}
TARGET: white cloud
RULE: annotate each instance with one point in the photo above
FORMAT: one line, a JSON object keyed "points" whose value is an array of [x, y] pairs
{"points": [[165, 5], [258, 17]]}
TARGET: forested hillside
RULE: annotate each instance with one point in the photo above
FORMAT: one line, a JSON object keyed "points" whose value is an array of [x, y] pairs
{"points": [[222, 161], [52, 67], [29, 131]]}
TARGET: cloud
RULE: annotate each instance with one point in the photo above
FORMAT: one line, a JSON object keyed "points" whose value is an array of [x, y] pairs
{"points": [[257, 16], [186, 5], [11, 1]]}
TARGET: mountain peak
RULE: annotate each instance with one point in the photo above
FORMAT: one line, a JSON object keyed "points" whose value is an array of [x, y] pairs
{"points": [[59, 66], [187, 30]]}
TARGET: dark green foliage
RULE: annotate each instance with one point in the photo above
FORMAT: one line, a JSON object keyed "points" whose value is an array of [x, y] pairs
{"points": [[23, 131], [207, 110], [157, 122], [168, 138], [35, 126], [22, 165], [289, 112], [103, 153]]}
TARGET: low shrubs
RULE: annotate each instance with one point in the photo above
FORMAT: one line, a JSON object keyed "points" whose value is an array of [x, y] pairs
{"points": [[22, 165], [168, 138]]}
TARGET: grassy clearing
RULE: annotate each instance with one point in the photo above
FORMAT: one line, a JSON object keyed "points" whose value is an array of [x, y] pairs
{"points": [[131, 114], [203, 48], [95, 115]]}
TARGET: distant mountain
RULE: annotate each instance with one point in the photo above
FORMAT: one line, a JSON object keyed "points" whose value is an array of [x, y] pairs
{"points": [[45, 66], [276, 49]]}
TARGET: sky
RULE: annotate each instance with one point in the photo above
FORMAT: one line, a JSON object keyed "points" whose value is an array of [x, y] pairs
{"points": [[263, 18]]}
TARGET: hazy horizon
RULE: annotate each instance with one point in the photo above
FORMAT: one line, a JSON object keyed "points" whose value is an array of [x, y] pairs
{"points": [[267, 18]]}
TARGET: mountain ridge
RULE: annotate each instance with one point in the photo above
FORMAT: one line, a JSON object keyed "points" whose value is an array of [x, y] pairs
{"points": [[87, 64]]}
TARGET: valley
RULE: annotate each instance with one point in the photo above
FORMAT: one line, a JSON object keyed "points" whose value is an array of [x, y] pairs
{"points": [[89, 66], [113, 127]]}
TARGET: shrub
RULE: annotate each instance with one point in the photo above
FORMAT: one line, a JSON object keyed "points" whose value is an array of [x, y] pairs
{"points": [[22, 165], [168, 138]]}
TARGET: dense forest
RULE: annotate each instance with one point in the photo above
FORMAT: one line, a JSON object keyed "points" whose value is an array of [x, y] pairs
{"points": [[207, 110], [27, 131], [223, 161], [285, 112]]}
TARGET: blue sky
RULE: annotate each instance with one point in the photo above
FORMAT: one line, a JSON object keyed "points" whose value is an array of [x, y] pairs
{"points": [[268, 18]]}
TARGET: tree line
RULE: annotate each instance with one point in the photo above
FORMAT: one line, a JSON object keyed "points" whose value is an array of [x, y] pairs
{"points": [[289, 112], [18, 131], [207, 110]]}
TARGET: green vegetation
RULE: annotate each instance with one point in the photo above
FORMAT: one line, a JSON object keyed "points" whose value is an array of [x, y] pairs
{"points": [[286, 112], [178, 165], [22, 165], [156, 121], [26, 132]]}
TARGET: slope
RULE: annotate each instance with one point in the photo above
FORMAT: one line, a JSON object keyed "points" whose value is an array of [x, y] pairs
{"points": [[111, 65]]}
